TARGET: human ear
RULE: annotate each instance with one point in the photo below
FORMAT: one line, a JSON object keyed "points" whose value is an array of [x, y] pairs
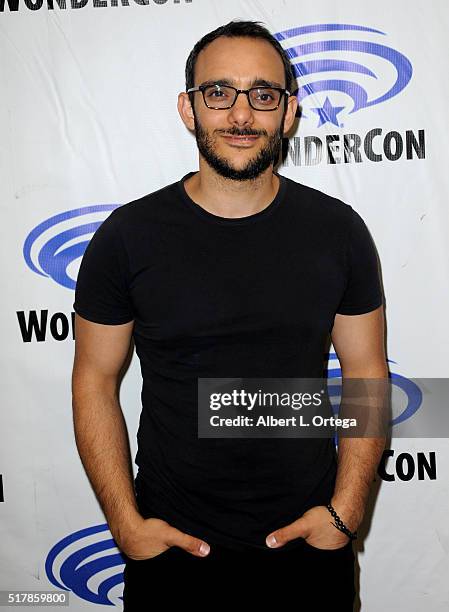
{"points": [[185, 110], [290, 113]]}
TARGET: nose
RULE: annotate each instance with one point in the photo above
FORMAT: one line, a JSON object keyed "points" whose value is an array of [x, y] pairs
{"points": [[241, 113]]}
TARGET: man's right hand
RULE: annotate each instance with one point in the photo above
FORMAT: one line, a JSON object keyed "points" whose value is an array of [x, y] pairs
{"points": [[151, 537]]}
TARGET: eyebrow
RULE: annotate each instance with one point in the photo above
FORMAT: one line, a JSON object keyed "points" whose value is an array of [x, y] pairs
{"points": [[257, 82]]}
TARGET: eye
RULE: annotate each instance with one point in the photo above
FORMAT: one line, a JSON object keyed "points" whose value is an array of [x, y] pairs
{"points": [[217, 92], [264, 95]]}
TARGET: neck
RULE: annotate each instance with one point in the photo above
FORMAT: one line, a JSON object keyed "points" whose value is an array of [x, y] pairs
{"points": [[229, 198]]}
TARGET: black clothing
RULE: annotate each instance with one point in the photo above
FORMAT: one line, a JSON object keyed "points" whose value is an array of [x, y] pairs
{"points": [[304, 577], [228, 297]]}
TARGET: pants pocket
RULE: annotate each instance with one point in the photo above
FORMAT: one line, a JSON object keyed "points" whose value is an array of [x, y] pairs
{"points": [[343, 549], [165, 553]]}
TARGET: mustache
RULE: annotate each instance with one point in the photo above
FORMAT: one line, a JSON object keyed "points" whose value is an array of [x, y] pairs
{"points": [[244, 132]]}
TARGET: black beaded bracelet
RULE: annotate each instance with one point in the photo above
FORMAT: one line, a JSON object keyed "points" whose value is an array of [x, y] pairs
{"points": [[340, 525]]}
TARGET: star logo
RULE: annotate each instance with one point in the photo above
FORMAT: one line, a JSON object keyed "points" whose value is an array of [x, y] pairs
{"points": [[343, 64], [328, 113]]}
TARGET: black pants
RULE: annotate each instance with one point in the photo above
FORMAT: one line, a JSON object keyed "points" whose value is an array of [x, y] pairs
{"points": [[302, 578]]}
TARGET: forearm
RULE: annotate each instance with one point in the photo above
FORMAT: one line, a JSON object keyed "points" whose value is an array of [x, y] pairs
{"points": [[359, 457], [102, 442]]}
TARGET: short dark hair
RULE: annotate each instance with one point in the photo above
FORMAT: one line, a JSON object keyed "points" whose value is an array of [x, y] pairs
{"points": [[248, 29]]}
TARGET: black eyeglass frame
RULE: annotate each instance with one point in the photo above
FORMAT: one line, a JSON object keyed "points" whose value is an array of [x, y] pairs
{"points": [[202, 88]]}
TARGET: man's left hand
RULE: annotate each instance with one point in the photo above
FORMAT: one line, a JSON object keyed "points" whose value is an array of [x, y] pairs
{"points": [[315, 526]]}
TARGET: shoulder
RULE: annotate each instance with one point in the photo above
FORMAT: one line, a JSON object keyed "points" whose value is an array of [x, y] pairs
{"points": [[151, 206], [318, 204]]}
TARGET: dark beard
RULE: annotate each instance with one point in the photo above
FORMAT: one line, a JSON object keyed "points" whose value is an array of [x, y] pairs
{"points": [[268, 155]]}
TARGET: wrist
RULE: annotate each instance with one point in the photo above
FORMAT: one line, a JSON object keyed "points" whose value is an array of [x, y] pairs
{"points": [[124, 530], [350, 514]]}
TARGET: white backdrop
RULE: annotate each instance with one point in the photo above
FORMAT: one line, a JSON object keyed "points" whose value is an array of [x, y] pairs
{"points": [[88, 119]]}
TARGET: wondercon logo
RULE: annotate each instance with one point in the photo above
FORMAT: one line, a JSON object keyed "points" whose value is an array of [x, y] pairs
{"points": [[53, 247], [89, 564], [343, 69]]}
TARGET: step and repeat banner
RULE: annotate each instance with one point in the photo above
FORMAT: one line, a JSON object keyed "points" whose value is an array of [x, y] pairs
{"points": [[88, 122]]}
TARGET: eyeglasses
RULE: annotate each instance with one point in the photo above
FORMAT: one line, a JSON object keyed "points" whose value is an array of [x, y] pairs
{"points": [[222, 97]]}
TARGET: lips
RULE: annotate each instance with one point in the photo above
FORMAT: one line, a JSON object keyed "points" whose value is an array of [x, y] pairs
{"points": [[241, 140]]}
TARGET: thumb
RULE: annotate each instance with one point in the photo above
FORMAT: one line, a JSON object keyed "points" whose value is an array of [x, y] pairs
{"points": [[195, 546], [297, 529]]}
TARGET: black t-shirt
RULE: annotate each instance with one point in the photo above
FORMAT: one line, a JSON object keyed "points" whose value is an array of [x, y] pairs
{"points": [[227, 297]]}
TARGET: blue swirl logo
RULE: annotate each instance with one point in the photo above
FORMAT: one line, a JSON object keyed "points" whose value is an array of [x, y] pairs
{"points": [[89, 564], [52, 247], [406, 387], [364, 65]]}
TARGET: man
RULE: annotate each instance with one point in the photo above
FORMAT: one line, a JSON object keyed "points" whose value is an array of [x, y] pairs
{"points": [[233, 271]]}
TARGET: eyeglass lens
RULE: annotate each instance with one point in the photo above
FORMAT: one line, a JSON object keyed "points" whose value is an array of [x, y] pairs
{"points": [[219, 96]]}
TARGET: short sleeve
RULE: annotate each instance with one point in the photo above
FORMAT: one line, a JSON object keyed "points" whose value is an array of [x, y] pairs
{"points": [[101, 293], [363, 291]]}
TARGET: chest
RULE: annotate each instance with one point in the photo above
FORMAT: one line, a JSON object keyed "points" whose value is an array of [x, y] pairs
{"points": [[198, 284]]}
